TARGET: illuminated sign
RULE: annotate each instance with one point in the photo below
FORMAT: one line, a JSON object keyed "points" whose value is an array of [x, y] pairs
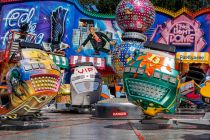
{"points": [[183, 32], [119, 114]]}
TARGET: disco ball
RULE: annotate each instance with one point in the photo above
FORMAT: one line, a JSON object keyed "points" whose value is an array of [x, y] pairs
{"points": [[135, 15]]}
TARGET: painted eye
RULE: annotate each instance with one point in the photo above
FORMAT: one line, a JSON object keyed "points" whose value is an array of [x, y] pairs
{"points": [[140, 71], [27, 67], [35, 66], [157, 75], [127, 69], [172, 80], [165, 77], [42, 66]]}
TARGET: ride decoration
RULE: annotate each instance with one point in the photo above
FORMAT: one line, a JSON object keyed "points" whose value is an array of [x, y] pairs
{"points": [[151, 82], [206, 88], [150, 78], [33, 79], [134, 17]]}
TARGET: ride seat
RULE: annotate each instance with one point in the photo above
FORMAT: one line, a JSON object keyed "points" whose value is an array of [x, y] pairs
{"points": [[197, 76]]}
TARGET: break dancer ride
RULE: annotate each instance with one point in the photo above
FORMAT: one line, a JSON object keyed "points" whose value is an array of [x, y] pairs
{"points": [[86, 87], [150, 78], [134, 17], [32, 78]]}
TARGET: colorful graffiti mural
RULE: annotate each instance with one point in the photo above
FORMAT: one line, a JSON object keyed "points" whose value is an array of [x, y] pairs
{"points": [[185, 30], [56, 22], [73, 27]]}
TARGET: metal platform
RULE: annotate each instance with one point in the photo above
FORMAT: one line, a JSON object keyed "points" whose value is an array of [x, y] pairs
{"points": [[117, 108], [9, 124], [67, 107], [176, 121], [71, 126], [203, 121]]}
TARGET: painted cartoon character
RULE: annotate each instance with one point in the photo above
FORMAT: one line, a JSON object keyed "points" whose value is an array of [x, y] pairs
{"points": [[98, 41]]}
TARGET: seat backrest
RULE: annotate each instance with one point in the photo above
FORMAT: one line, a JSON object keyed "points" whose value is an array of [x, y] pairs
{"points": [[197, 76]]}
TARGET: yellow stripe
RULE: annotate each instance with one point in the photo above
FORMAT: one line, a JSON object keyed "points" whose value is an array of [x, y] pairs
{"points": [[178, 56], [185, 54], [198, 55], [206, 57]]}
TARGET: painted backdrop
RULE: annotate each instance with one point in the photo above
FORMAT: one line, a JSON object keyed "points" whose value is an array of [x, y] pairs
{"points": [[66, 22]]}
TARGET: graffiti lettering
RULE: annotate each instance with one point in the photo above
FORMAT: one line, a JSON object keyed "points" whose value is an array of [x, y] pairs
{"points": [[39, 38], [182, 34], [155, 59], [181, 39], [32, 27], [182, 29], [18, 16]]}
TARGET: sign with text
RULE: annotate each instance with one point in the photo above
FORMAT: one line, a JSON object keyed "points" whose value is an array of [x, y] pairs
{"points": [[183, 32], [193, 57]]}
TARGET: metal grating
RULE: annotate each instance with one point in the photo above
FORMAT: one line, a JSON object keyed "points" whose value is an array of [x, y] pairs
{"points": [[146, 89], [45, 82]]}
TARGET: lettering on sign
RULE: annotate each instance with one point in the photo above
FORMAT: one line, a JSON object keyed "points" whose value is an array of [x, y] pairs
{"points": [[119, 114], [188, 57], [84, 70], [183, 32]]}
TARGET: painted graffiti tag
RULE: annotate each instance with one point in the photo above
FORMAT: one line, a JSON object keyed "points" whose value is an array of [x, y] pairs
{"points": [[18, 16]]}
